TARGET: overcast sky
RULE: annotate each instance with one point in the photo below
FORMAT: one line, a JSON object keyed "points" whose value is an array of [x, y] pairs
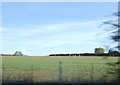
{"points": [[42, 28]]}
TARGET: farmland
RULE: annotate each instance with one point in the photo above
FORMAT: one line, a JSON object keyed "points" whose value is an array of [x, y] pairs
{"points": [[46, 68]]}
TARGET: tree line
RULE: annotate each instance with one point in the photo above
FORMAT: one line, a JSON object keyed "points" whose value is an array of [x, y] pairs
{"points": [[17, 53], [98, 52], [114, 54]]}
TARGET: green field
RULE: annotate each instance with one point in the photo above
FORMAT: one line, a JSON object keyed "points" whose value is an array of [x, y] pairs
{"points": [[46, 68]]}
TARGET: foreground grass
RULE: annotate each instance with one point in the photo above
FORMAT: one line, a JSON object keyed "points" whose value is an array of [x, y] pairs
{"points": [[45, 68]]}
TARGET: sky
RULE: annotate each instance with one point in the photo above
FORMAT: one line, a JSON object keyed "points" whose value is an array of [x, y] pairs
{"points": [[43, 28]]}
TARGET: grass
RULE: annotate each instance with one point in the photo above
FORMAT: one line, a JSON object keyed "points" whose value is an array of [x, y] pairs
{"points": [[47, 68]]}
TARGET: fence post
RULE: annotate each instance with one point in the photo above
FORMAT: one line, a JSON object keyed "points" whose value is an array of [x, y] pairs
{"points": [[92, 72], [31, 79], [60, 71]]}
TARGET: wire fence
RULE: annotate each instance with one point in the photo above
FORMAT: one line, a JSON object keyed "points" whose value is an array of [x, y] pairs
{"points": [[63, 73]]}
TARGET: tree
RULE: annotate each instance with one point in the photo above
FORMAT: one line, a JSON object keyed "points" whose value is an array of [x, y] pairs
{"points": [[115, 30], [99, 50], [18, 53], [115, 36], [113, 53]]}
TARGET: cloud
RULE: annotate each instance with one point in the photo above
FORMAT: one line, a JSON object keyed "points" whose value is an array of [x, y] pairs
{"points": [[62, 36], [1, 29], [35, 30], [57, 27], [58, 32]]}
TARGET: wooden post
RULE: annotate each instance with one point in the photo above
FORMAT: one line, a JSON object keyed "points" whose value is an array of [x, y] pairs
{"points": [[60, 71], [31, 73], [92, 72]]}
